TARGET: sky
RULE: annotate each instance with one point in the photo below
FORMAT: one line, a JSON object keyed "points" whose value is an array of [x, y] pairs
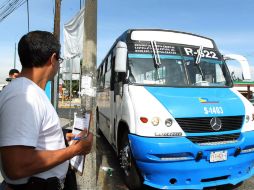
{"points": [[41, 17], [228, 22]]}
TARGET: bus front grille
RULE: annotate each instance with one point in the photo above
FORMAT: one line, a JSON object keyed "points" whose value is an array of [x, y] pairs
{"points": [[203, 124], [214, 139]]}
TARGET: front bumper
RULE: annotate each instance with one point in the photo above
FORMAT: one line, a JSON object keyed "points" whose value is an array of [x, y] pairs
{"points": [[176, 163]]}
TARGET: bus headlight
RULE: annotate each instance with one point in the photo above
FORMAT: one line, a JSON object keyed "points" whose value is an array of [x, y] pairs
{"points": [[168, 122], [155, 121]]}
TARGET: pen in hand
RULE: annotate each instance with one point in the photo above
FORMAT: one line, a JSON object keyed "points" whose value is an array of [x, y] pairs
{"points": [[79, 138], [84, 137]]}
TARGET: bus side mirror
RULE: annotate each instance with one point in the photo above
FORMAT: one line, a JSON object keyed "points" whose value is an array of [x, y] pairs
{"points": [[121, 57], [243, 62]]}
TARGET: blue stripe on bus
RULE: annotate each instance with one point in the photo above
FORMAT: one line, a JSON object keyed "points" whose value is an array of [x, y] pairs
{"points": [[204, 59], [151, 56], [147, 56]]}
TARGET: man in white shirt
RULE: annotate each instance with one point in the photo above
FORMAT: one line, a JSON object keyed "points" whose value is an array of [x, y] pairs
{"points": [[31, 140]]}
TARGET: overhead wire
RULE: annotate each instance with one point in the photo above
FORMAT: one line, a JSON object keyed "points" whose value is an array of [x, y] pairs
{"points": [[53, 7], [8, 7], [1, 6]]}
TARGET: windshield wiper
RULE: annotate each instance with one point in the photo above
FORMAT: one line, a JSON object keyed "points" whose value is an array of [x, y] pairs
{"points": [[198, 60], [199, 55], [156, 58], [156, 53]]}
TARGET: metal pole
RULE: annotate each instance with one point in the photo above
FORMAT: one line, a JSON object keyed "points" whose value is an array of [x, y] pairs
{"points": [[57, 19], [88, 179], [27, 6], [70, 93], [54, 83], [15, 57]]}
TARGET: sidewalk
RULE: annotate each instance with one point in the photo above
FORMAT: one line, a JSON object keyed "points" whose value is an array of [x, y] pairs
{"points": [[66, 123], [74, 102], [66, 116], [66, 111]]}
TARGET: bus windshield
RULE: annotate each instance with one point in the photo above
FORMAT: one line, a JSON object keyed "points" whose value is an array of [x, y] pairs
{"points": [[175, 70]]}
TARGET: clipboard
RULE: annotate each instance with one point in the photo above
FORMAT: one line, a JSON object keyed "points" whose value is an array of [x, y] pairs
{"points": [[81, 121]]}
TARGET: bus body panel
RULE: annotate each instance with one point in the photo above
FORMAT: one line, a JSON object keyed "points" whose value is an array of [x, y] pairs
{"points": [[146, 105], [197, 102], [248, 111], [150, 151], [125, 114], [104, 113], [166, 165]]}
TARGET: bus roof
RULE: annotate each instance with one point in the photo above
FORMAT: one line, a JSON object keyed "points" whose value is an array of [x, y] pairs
{"points": [[169, 36]]}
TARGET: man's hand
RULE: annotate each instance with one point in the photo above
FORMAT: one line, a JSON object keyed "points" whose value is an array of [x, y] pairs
{"points": [[82, 146], [35, 161]]}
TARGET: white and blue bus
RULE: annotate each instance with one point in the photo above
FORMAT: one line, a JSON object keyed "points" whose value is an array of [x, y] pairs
{"points": [[165, 103]]}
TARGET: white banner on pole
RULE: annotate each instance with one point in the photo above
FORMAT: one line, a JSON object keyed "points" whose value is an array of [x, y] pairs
{"points": [[73, 36]]}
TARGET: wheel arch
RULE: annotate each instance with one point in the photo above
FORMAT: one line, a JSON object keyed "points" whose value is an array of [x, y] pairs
{"points": [[121, 129]]}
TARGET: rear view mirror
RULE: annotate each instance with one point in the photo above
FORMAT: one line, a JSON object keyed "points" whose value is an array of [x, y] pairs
{"points": [[121, 57], [243, 62]]}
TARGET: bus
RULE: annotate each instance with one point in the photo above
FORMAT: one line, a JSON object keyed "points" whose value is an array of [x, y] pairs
{"points": [[166, 104]]}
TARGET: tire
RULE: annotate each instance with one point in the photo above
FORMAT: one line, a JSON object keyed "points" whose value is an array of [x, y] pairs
{"points": [[98, 131], [130, 172]]}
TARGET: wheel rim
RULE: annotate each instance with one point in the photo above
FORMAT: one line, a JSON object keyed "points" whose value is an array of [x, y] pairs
{"points": [[125, 159]]}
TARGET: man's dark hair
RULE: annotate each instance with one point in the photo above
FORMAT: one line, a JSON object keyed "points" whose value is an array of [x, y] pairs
{"points": [[36, 47], [13, 71]]}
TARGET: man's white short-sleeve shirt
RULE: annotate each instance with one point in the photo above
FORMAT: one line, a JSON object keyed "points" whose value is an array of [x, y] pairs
{"points": [[28, 118]]}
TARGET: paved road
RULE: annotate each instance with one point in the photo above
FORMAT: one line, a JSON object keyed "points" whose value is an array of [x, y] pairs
{"points": [[107, 158]]}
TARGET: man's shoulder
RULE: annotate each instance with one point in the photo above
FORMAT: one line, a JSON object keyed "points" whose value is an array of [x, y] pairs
{"points": [[21, 88], [24, 85]]}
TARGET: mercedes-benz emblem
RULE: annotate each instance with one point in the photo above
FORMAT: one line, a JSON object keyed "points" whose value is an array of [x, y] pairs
{"points": [[216, 124]]}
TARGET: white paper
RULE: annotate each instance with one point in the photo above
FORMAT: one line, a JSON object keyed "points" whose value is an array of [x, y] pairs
{"points": [[89, 92], [77, 162], [79, 125], [86, 82]]}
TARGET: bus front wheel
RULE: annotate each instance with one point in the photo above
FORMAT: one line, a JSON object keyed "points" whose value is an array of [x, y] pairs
{"points": [[132, 177]]}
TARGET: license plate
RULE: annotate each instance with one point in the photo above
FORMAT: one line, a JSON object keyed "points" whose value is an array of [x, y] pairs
{"points": [[218, 156]]}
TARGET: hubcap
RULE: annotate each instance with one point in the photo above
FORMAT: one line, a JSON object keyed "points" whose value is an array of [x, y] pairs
{"points": [[125, 159]]}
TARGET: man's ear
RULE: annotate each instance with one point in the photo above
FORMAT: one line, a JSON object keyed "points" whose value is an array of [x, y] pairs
{"points": [[53, 59]]}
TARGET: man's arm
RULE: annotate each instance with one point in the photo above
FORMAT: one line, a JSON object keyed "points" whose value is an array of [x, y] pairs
{"points": [[23, 161]]}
